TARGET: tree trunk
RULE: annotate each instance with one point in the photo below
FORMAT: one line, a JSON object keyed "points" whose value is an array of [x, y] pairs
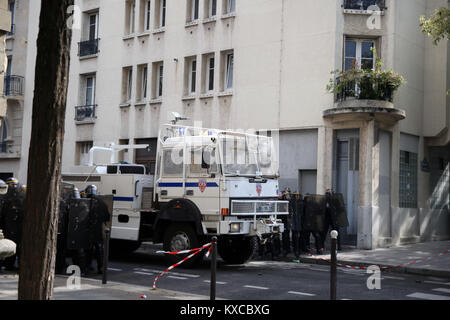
{"points": [[37, 260]]}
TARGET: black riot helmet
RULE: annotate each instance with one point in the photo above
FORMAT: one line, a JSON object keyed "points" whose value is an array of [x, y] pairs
{"points": [[12, 183], [91, 190]]}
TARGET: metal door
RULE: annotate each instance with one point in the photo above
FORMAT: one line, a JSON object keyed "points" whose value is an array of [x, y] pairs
{"points": [[347, 166]]}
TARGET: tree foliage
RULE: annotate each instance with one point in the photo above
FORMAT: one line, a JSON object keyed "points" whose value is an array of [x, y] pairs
{"points": [[438, 25]]}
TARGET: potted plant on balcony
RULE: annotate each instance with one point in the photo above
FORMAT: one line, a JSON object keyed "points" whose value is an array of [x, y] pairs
{"points": [[365, 84]]}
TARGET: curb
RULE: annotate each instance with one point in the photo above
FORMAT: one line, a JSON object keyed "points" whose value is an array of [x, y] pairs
{"points": [[404, 270]]}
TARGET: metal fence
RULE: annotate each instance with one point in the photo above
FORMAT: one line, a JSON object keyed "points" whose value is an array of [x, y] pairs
{"points": [[364, 88], [89, 47], [85, 113], [364, 4], [13, 86]]}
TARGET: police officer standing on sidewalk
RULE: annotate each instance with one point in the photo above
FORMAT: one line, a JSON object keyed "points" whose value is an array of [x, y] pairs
{"points": [[335, 215], [12, 218], [312, 222], [286, 236], [99, 215], [296, 223]]}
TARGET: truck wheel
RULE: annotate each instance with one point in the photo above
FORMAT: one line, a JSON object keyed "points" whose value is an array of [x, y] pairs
{"points": [[181, 236], [123, 247], [237, 250]]}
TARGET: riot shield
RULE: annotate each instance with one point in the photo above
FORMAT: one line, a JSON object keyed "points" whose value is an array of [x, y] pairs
{"points": [[314, 218], [341, 212], [78, 233]]}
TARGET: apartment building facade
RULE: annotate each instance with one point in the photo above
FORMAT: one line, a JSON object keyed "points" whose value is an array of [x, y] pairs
{"points": [[13, 90], [264, 65]]}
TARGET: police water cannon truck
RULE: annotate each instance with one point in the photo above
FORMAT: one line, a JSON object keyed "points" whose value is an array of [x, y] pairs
{"points": [[207, 182]]}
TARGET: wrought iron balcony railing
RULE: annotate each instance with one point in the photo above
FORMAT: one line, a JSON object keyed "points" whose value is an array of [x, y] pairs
{"points": [[364, 89], [364, 4], [87, 48], [13, 86], [85, 113]]}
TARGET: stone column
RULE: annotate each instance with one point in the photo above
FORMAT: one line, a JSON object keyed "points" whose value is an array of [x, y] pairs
{"points": [[367, 166]]}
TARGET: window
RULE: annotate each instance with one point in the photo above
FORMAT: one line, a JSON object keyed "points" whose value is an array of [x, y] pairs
{"points": [[190, 75], [130, 17], [229, 6], [173, 162], [363, 4], [147, 12], [160, 17], [93, 26], [12, 9], [210, 8], [142, 82], [229, 71], [4, 136], [89, 44], [90, 90], [201, 161], [158, 80], [83, 149], [192, 10], [408, 180], [208, 72], [127, 83], [359, 54]]}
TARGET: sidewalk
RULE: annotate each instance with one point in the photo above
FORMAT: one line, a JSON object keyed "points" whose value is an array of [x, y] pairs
{"points": [[428, 258], [92, 289]]}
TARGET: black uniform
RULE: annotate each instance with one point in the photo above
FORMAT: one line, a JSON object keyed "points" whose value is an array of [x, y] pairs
{"points": [[335, 216], [61, 243], [296, 226], [99, 215], [286, 219], [12, 221], [78, 232], [314, 220]]}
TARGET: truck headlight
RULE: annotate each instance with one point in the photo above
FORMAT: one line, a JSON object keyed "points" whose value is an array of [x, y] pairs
{"points": [[235, 227]]}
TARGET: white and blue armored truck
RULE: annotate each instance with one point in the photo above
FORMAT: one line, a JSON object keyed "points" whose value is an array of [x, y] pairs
{"points": [[207, 182]]}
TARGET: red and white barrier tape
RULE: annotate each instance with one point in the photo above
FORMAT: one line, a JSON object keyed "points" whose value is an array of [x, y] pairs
{"points": [[194, 252], [382, 268]]}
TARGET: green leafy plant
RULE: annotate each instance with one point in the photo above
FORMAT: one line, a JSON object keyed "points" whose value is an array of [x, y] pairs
{"points": [[371, 84]]}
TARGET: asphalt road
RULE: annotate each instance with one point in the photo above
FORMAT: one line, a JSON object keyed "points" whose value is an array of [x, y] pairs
{"points": [[272, 280]]}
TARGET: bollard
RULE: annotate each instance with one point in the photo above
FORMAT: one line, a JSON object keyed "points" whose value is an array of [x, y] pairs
{"points": [[333, 266], [213, 268], [106, 256]]}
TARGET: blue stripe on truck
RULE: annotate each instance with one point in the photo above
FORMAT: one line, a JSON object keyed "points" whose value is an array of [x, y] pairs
{"points": [[127, 199], [188, 184]]}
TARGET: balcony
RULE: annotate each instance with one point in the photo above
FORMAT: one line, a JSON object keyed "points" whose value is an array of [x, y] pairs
{"points": [[85, 113], [88, 48], [13, 29], [14, 86], [365, 94], [364, 5]]}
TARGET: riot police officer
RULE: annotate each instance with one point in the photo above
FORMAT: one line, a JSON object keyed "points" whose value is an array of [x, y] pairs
{"points": [[99, 215], [12, 218], [63, 222], [296, 223], [335, 215], [312, 222], [286, 236]]}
